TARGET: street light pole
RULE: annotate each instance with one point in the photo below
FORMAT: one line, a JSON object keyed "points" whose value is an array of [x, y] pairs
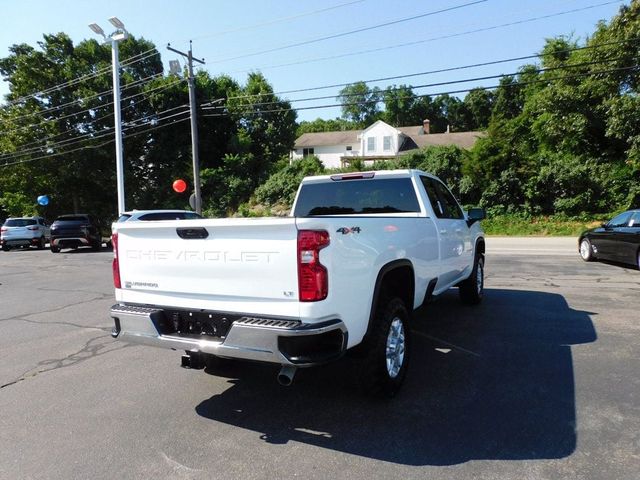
{"points": [[194, 126], [119, 35]]}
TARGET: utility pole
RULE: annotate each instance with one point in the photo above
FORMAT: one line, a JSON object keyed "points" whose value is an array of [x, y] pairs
{"points": [[194, 125]]}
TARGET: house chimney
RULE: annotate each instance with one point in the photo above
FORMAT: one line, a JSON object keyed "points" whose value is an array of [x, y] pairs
{"points": [[425, 126]]}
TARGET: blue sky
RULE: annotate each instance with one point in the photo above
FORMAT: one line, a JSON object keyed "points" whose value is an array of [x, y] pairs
{"points": [[223, 30]]}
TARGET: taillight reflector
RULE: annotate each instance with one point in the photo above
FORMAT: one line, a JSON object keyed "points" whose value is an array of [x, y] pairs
{"points": [[313, 281], [116, 264]]}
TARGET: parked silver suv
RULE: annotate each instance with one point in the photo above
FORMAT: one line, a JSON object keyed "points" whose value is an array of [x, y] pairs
{"points": [[24, 232]]}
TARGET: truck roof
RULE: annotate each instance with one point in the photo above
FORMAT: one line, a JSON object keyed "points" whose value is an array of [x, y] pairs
{"points": [[400, 173]]}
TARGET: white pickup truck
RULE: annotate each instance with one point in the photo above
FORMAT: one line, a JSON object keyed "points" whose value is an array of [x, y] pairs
{"points": [[357, 255]]}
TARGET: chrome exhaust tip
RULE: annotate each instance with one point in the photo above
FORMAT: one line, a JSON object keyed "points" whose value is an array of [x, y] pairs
{"points": [[285, 377]]}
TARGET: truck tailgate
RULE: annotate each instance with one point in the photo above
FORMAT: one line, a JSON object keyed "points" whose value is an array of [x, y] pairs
{"points": [[250, 259]]}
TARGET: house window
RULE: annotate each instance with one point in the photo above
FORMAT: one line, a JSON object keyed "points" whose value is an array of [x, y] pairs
{"points": [[307, 151], [349, 148], [371, 144], [386, 143]]}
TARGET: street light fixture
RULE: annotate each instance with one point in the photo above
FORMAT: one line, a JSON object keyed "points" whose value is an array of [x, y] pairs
{"points": [[115, 21], [96, 28], [113, 39]]}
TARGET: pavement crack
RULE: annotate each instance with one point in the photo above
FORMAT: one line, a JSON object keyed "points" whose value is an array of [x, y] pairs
{"points": [[94, 347], [57, 309], [66, 324]]}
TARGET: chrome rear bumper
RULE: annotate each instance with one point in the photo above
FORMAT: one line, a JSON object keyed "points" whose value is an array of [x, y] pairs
{"points": [[281, 341]]}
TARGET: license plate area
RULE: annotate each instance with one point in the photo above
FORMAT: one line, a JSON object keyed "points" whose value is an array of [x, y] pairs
{"points": [[196, 323]]}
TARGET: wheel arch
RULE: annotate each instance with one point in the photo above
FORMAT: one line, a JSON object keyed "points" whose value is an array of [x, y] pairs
{"points": [[480, 246], [398, 278]]}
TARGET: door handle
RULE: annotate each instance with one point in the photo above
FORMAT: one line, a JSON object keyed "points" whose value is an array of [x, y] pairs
{"points": [[443, 231], [458, 230]]}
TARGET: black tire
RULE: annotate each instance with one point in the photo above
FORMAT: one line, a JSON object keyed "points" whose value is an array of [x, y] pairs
{"points": [[586, 251], [97, 246], [472, 289], [387, 349], [6, 248], [42, 243], [55, 249]]}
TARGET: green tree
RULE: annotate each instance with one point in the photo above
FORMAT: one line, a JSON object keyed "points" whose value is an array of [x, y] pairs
{"points": [[360, 104]]}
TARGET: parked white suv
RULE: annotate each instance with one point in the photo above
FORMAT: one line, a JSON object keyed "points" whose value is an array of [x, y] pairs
{"points": [[24, 232]]}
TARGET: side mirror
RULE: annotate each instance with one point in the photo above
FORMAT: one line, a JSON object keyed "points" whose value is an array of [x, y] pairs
{"points": [[605, 225], [475, 215]]}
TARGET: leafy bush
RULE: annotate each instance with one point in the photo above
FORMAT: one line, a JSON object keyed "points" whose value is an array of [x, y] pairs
{"points": [[281, 187]]}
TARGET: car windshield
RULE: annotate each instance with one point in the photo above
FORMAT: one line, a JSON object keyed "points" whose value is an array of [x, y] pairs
{"points": [[19, 222], [72, 218]]}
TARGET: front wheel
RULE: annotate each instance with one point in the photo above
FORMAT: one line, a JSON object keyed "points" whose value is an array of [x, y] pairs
{"points": [[6, 248], [586, 252], [472, 289], [55, 249], [387, 349]]}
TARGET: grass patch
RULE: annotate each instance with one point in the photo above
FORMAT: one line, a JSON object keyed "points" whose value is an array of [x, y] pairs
{"points": [[557, 225]]}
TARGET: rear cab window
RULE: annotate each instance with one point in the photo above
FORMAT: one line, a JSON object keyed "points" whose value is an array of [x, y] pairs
{"points": [[357, 197]]}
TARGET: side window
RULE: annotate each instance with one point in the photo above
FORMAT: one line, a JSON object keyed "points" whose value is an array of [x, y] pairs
{"points": [[371, 144], [635, 220], [433, 197], [621, 220], [451, 206]]}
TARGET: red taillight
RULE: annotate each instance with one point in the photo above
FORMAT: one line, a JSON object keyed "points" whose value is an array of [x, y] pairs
{"points": [[116, 263], [313, 283], [3, 229]]}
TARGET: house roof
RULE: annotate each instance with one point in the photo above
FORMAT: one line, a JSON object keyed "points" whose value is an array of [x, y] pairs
{"points": [[415, 138], [320, 139]]}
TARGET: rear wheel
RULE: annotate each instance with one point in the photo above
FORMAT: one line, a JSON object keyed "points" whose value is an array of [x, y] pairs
{"points": [[41, 243], [55, 249], [387, 349], [6, 248], [97, 245], [472, 289], [586, 252]]}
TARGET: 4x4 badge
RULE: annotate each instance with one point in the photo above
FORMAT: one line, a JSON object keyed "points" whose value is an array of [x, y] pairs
{"points": [[347, 230]]}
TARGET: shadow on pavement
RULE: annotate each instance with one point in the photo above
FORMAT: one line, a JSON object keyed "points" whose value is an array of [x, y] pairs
{"points": [[488, 382]]}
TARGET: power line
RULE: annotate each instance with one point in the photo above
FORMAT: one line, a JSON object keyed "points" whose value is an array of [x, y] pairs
{"points": [[93, 136], [432, 39], [277, 20], [450, 92], [24, 149], [85, 99], [92, 146], [350, 32], [130, 61], [98, 107], [437, 84], [430, 72]]}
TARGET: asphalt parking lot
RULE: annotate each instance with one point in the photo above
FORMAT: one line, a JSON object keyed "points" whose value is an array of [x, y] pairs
{"points": [[539, 382]]}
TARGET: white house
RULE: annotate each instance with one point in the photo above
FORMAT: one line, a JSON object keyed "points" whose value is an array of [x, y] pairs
{"points": [[379, 141]]}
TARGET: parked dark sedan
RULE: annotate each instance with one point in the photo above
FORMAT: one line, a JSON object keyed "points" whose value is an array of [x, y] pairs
{"points": [[618, 240]]}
